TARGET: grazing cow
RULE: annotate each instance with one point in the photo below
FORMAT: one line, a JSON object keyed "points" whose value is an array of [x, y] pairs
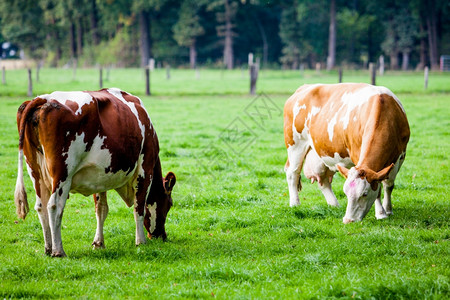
{"points": [[89, 143], [334, 127]]}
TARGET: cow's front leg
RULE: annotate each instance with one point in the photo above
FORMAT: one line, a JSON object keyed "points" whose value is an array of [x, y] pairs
{"points": [[101, 212], [139, 213], [41, 209], [55, 209], [327, 191]]}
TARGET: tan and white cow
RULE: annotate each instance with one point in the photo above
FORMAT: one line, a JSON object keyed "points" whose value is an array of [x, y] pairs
{"points": [[89, 143], [358, 129]]}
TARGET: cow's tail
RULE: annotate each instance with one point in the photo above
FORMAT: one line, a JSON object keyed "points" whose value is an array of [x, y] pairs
{"points": [[24, 114]]}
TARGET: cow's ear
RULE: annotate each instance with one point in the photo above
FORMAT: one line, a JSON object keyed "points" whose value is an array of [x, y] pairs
{"points": [[169, 182], [343, 170], [380, 175]]}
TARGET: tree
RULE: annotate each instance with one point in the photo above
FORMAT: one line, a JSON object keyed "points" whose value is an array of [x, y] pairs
{"points": [[144, 9], [401, 31], [431, 8], [407, 32], [22, 24], [188, 29], [225, 14], [290, 36], [331, 59]]}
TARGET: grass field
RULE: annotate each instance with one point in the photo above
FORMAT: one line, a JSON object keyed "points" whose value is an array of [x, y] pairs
{"points": [[231, 232]]}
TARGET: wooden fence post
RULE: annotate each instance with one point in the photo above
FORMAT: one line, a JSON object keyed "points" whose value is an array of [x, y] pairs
{"points": [[168, 71], [253, 78], [381, 65], [426, 77], [30, 84], [197, 73], [74, 69], [101, 78], [147, 82], [3, 75], [373, 73]]}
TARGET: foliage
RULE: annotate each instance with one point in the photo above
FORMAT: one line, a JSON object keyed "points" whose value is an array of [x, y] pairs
{"points": [[21, 24], [289, 32], [231, 233]]}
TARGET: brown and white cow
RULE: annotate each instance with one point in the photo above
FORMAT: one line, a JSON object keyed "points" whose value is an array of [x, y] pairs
{"points": [[337, 127], [89, 143]]}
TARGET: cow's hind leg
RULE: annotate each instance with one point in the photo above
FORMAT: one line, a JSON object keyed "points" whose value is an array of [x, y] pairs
{"points": [[101, 212], [41, 209], [296, 156], [388, 186], [55, 209]]}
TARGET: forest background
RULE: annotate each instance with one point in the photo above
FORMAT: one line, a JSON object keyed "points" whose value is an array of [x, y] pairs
{"points": [[287, 34]]}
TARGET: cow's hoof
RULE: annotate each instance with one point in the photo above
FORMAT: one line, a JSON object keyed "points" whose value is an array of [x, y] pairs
{"points": [[381, 216], [59, 254], [347, 220], [294, 203], [98, 245]]}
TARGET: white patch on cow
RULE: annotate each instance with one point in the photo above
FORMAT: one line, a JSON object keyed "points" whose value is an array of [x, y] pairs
{"points": [[76, 149], [331, 162], [352, 101], [152, 210], [330, 128], [90, 169], [315, 110], [98, 153], [81, 98], [30, 173], [118, 94]]}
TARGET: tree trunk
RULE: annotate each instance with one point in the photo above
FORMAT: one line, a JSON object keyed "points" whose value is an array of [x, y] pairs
{"points": [[331, 59], [144, 39], [394, 60], [264, 40], [94, 22], [423, 49], [193, 55], [228, 49], [73, 45], [405, 60], [432, 38], [79, 39]]}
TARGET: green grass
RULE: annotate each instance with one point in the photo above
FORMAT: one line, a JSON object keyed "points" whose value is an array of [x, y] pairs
{"points": [[231, 232]]}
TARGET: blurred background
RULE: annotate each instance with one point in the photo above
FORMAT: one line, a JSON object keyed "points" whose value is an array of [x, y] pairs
{"points": [[287, 34]]}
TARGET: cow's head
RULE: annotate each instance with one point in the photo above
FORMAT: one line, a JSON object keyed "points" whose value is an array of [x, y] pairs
{"points": [[156, 213], [362, 186]]}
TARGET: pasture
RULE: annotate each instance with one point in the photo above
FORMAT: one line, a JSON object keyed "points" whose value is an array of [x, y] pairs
{"points": [[231, 232]]}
